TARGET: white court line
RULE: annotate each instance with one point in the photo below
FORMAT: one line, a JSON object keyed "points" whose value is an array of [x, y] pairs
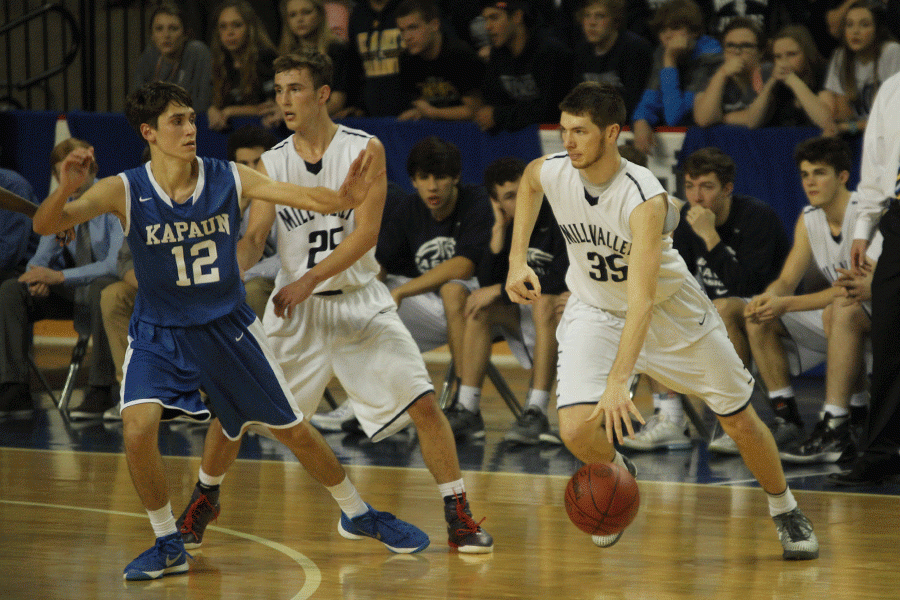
{"points": [[312, 574]]}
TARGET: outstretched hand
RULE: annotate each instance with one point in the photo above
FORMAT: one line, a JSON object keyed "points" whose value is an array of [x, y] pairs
{"points": [[360, 177], [616, 407]]}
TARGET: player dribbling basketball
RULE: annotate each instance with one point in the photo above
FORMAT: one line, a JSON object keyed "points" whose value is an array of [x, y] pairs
{"points": [[634, 305]]}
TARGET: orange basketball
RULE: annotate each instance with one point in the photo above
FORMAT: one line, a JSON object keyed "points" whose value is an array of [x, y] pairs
{"points": [[602, 499]]}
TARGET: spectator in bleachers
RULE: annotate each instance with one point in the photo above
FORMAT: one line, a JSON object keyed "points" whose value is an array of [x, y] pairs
{"points": [[17, 240], [737, 82], [609, 52], [867, 56], [242, 66], [440, 73], [466, 23], [528, 71], [430, 246], [304, 25], [568, 28], [530, 330], [789, 98], [373, 76], [64, 278], [682, 64], [734, 245], [172, 56]]}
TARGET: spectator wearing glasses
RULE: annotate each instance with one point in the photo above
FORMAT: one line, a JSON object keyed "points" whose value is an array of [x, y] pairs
{"points": [[739, 79]]}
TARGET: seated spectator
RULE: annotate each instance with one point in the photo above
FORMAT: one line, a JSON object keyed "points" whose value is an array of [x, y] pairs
{"points": [[789, 98], [430, 245], [17, 240], [466, 23], [63, 280], [767, 15], [789, 333], [866, 57], [440, 74], [530, 330], [682, 64], [242, 66], [246, 146], [305, 25], [172, 56], [528, 72], [568, 27], [734, 245], [734, 86], [373, 76], [609, 52]]}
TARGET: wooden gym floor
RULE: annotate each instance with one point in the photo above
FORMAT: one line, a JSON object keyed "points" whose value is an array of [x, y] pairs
{"points": [[71, 520]]}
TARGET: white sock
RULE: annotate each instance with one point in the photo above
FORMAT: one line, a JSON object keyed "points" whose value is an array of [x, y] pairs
{"points": [[670, 405], [539, 399], [209, 480], [781, 503], [162, 520], [836, 411], [785, 392], [859, 399], [619, 460], [470, 397], [348, 498], [452, 489]]}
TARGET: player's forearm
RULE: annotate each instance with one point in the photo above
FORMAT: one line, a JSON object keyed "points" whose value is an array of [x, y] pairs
{"points": [[249, 250], [316, 199], [48, 219], [634, 332], [458, 267], [351, 249], [815, 301]]}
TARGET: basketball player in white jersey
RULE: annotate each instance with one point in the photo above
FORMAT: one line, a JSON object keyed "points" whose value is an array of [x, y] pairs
{"points": [[191, 327], [819, 323], [330, 315], [634, 306]]}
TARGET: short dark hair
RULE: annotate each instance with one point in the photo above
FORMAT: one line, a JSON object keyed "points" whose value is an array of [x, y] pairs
{"points": [[427, 8], [602, 101], [710, 160], [503, 170], [745, 23], [250, 136], [434, 156], [145, 104], [678, 13], [832, 151], [319, 65]]}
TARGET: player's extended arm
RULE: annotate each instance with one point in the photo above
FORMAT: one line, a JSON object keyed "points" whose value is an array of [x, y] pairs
{"points": [[320, 199], [55, 214], [528, 205], [647, 223], [251, 246]]}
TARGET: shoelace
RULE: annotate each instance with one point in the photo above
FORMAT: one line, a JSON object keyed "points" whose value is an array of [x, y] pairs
{"points": [[470, 525], [796, 529], [194, 513]]}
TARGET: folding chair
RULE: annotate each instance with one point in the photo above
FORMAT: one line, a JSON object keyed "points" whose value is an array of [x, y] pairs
{"points": [[497, 380]]}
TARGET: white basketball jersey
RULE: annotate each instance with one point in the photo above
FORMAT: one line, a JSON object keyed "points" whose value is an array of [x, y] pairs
{"points": [[594, 223], [305, 238], [829, 253]]}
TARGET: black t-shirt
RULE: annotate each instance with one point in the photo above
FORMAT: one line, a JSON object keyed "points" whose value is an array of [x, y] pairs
{"points": [[546, 256], [528, 88], [749, 257], [455, 72], [411, 242], [373, 74], [265, 88], [626, 65]]}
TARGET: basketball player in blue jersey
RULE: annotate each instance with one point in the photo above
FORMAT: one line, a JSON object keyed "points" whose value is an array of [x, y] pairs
{"points": [[330, 315], [191, 327], [635, 307]]}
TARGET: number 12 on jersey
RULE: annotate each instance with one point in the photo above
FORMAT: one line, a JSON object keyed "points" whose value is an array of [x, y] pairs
{"points": [[204, 254]]}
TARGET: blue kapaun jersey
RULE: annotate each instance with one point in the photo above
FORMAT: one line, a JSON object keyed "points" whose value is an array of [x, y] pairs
{"points": [[184, 254]]}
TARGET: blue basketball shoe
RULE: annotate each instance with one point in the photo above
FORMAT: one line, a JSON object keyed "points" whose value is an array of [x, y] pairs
{"points": [[399, 536], [167, 557]]}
